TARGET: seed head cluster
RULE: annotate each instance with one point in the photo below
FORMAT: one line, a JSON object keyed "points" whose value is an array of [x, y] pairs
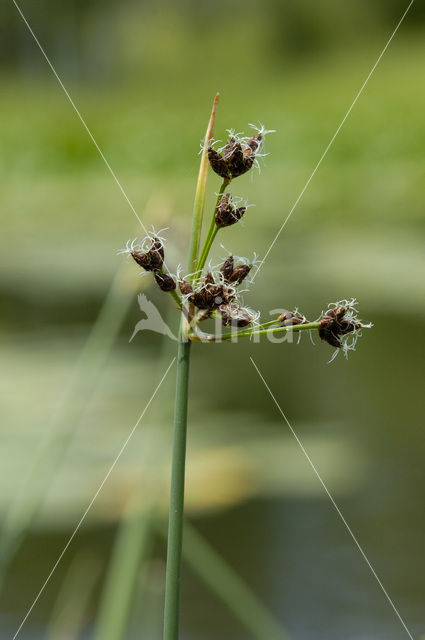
{"points": [[215, 291], [239, 153], [226, 212], [341, 327], [149, 254]]}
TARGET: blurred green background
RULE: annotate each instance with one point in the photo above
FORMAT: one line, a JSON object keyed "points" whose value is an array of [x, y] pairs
{"points": [[143, 75]]}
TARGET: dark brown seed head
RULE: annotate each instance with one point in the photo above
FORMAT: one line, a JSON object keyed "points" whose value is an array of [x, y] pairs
{"points": [[210, 295], [240, 273], [227, 268], [328, 332], [233, 315], [226, 214], [237, 157], [216, 296], [251, 147], [339, 321], [156, 254], [200, 300], [208, 279], [211, 291], [286, 315], [326, 322], [165, 282], [229, 148], [239, 212], [185, 287], [345, 326], [224, 210], [153, 259], [336, 324], [337, 313], [204, 297], [219, 164], [205, 300], [331, 338], [288, 318], [142, 260], [237, 162]]}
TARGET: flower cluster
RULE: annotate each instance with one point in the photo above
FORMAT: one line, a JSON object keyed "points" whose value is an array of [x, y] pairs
{"points": [[232, 315], [340, 326], [238, 154], [148, 253], [227, 212], [214, 292]]}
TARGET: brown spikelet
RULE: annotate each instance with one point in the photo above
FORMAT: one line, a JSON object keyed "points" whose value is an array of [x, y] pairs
{"points": [[235, 316], [227, 268], [240, 273], [219, 164], [165, 282]]}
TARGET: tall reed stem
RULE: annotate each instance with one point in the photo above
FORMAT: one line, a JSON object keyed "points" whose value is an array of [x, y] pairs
{"points": [[175, 521]]}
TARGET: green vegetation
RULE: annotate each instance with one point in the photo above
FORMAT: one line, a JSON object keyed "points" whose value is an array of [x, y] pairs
{"points": [[357, 231]]}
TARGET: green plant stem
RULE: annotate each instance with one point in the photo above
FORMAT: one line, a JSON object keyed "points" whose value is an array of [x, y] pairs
{"points": [[211, 234], [176, 297], [223, 580], [292, 327], [209, 337], [263, 325], [175, 522]]}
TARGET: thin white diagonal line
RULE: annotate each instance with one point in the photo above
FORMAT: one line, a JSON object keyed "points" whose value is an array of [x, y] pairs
{"points": [[338, 510], [80, 117], [332, 140], [111, 468]]}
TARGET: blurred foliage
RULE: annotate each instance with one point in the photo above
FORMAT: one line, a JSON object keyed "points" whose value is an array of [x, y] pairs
{"points": [[143, 75], [93, 39]]}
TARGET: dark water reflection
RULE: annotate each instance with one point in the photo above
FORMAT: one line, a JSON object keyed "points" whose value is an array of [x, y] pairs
{"points": [[294, 550], [300, 557]]}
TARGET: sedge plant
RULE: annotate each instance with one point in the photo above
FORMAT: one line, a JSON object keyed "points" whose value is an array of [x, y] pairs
{"points": [[213, 292]]}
